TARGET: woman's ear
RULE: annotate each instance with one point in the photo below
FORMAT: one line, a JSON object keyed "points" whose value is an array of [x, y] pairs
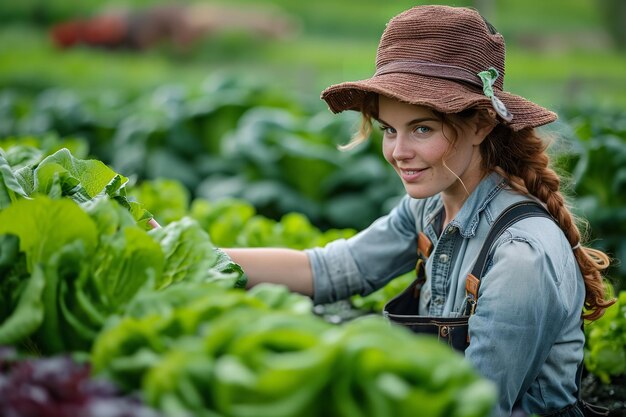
{"points": [[482, 125]]}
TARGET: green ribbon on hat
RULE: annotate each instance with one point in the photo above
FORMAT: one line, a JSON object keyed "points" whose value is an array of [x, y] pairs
{"points": [[489, 78]]}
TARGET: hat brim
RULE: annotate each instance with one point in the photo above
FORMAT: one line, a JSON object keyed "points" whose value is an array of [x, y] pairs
{"points": [[444, 95]]}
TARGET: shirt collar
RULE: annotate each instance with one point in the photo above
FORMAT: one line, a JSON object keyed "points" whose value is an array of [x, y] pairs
{"points": [[467, 218]]}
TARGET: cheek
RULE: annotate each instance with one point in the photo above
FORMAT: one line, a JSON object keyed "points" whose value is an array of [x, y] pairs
{"points": [[460, 151], [436, 152], [387, 151]]}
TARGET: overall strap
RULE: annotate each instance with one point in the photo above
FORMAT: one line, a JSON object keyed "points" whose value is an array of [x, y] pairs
{"points": [[509, 216]]}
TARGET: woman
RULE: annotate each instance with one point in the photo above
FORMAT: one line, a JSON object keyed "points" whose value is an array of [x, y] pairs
{"points": [[465, 150]]}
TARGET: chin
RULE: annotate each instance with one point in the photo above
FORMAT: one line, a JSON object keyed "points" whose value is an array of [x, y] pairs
{"points": [[419, 193]]}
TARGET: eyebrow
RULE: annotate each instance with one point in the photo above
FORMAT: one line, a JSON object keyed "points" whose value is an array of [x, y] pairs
{"points": [[412, 122]]}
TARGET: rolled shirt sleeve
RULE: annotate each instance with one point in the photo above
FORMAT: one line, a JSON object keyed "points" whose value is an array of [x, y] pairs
{"points": [[370, 259]]}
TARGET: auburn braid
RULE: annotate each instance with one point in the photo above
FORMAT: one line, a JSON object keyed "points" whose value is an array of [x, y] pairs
{"points": [[522, 159]]}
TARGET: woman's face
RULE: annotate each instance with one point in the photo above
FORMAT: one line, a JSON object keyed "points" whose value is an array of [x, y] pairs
{"points": [[424, 152]]}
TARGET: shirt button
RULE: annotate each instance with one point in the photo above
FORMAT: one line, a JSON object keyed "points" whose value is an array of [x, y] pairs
{"points": [[451, 230], [443, 258], [438, 301]]}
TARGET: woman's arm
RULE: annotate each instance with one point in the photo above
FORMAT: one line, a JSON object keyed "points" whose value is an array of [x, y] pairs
{"points": [[344, 267], [276, 265]]}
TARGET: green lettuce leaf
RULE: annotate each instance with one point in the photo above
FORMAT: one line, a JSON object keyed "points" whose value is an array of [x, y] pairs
{"points": [[26, 178], [167, 199], [29, 312], [227, 273], [10, 188], [56, 333], [188, 251], [126, 260], [92, 176], [44, 225], [22, 155], [123, 264], [179, 383]]}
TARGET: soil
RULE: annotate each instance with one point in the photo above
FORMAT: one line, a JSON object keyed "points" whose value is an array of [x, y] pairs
{"points": [[611, 396]]}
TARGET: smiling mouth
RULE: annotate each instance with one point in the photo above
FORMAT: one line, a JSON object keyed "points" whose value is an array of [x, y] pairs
{"points": [[412, 175], [411, 171]]}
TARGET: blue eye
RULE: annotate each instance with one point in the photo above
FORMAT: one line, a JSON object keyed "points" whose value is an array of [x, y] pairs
{"points": [[387, 130], [422, 130]]}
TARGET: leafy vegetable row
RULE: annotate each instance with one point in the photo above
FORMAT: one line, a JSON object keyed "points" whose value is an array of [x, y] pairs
{"points": [[74, 251], [222, 139], [195, 352]]}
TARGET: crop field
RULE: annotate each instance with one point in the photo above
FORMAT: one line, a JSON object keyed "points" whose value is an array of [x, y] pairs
{"points": [[225, 143]]}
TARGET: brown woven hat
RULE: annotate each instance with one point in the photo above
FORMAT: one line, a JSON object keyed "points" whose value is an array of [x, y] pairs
{"points": [[446, 58]]}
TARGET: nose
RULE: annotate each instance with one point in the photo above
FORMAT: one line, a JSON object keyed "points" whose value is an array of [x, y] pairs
{"points": [[402, 149]]}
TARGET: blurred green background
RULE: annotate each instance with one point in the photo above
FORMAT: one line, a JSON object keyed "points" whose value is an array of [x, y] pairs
{"points": [[559, 51]]}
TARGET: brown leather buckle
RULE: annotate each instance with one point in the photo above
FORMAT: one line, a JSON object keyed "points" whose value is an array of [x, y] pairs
{"points": [[424, 245], [471, 286]]}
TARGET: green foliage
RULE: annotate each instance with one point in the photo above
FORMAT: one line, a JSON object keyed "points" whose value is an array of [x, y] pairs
{"points": [[74, 252], [166, 199], [605, 351], [22, 308], [233, 223], [227, 140], [375, 302], [595, 159], [260, 353]]}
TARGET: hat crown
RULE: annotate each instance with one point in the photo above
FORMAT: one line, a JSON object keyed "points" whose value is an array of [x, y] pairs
{"points": [[442, 35]]}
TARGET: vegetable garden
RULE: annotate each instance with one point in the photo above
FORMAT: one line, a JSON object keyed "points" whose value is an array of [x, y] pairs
{"points": [[101, 315]]}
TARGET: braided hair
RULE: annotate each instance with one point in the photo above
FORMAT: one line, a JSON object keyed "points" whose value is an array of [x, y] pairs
{"points": [[521, 158]]}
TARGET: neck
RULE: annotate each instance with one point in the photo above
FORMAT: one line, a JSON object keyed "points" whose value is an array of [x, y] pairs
{"points": [[454, 197]]}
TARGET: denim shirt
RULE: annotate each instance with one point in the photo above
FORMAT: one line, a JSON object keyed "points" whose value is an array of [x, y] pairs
{"points": [[526, 332]]}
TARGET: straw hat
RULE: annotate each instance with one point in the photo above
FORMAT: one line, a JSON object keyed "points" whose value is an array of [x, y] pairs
{"points": [[446, 58]]}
